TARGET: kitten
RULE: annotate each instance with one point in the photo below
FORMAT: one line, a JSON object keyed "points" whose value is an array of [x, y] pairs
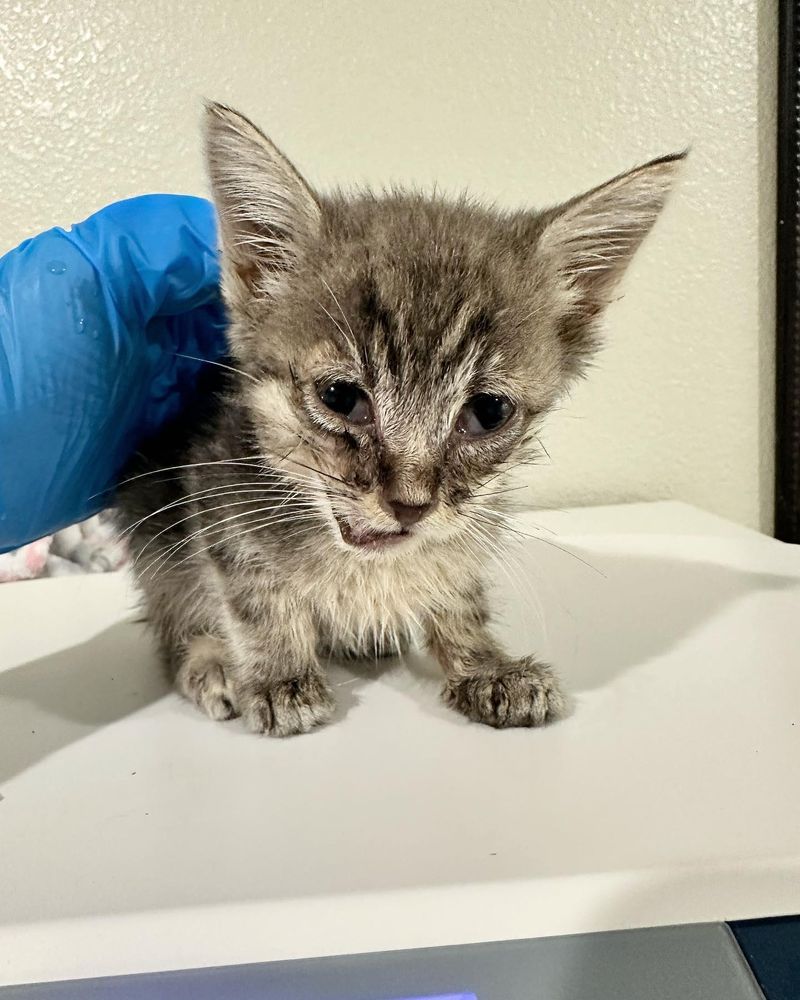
{"points": [[341, 488]]}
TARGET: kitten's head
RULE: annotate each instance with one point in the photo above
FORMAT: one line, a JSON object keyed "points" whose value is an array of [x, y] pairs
{"points": [[401, 348]]}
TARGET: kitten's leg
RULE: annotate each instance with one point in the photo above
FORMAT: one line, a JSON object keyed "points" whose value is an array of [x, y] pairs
{"points": [[202, 677], [273, 668], [484, 683], [183, 610]]}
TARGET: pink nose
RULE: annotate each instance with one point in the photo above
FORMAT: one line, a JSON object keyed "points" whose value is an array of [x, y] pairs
{"points": [[408, 514]]}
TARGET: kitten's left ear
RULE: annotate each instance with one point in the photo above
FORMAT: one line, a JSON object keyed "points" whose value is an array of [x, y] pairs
{"points": [[266, 210], [591, 239]]}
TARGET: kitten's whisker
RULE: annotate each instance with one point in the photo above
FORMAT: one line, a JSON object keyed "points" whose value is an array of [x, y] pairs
{"points": [[208, 510], [160, 563], [319, 472], [338, 326], [477, 553], [499, 493], [208, 474], [235, 536], [539, 442], [217, 364], [176, 546], [497, 475], [210, 493], [339, 307], [262, 471], [270, 481], [495, 519], [493, 512], [538, 538], [513, 572], [244, 461]]}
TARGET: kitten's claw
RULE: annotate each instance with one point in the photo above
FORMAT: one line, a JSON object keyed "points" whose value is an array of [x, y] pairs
{"points": [[201, 678], [289, 707], [521, 693]]}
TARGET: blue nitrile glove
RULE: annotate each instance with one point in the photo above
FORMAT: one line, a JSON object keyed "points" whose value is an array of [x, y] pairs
{"points": [[91, 325]]}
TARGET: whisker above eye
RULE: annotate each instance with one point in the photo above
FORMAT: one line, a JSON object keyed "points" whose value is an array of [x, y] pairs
{"points": [[339, 307], [217, 364], [338, 325]]}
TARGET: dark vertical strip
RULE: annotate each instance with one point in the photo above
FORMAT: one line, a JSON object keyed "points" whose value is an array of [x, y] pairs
{"points": [[772, 949], [787, 413]]}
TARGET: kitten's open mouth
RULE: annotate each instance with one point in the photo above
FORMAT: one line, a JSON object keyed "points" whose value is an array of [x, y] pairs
{"points": [[365, 539]]}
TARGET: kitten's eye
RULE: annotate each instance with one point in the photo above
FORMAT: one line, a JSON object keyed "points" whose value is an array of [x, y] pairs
{"points": [[348, 400], [483, 413]]}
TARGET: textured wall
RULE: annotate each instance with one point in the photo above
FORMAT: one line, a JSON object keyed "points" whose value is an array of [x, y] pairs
{"points": [[528, 102]]}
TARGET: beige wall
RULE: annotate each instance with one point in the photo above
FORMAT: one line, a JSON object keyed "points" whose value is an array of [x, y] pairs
{"points": [[526, 101]]}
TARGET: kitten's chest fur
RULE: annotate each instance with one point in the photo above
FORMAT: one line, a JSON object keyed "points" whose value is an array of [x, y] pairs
{"points": [[366, 606], [363, 602]]}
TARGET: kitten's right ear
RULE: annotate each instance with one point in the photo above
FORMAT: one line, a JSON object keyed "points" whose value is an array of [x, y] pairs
{"points": [[266, 210]]}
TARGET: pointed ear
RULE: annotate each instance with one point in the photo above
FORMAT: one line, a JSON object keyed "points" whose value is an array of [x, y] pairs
{"points": [[591, 239], [266, 210]]}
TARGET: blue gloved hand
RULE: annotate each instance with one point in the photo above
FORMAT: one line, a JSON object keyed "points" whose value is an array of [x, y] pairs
{"points": [[92, 323]]}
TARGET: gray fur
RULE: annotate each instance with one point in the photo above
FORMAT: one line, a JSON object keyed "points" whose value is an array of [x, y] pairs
{"points": [[235, 515]]}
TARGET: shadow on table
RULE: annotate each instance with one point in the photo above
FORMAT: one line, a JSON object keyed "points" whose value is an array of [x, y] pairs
{"points": [[597, 619], [599, 627], [615, 611], [48, 703]]}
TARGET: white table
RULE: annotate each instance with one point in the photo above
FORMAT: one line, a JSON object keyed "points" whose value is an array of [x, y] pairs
{"points": [[135, 835]]}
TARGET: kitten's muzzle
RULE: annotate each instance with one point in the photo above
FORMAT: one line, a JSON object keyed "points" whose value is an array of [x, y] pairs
{"points": [[369, 539], [365, 537]]}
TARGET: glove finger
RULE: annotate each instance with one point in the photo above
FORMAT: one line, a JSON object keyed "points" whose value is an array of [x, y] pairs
{"points": [[157, 254]]}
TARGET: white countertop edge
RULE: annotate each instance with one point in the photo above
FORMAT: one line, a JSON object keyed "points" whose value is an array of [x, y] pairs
{"points": [[164, 940]]}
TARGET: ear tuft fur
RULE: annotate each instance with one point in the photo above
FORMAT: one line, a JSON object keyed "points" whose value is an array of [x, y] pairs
{"points": [[265, 207], [591, 239], [587, 244]]}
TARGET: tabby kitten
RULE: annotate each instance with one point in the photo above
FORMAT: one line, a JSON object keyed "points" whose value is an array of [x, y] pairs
{"points": [[343, 489]]}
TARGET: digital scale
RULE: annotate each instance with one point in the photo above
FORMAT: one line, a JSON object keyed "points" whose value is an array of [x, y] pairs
{"points": [[675, 963], [402, 852]]}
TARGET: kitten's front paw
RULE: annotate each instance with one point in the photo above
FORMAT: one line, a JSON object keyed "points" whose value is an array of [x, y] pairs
{"points": [[202, 678], [287, 707], [517, 693]]}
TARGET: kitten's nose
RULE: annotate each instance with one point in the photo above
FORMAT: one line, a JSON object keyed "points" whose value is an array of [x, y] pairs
{"points": [[408, 514]]}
